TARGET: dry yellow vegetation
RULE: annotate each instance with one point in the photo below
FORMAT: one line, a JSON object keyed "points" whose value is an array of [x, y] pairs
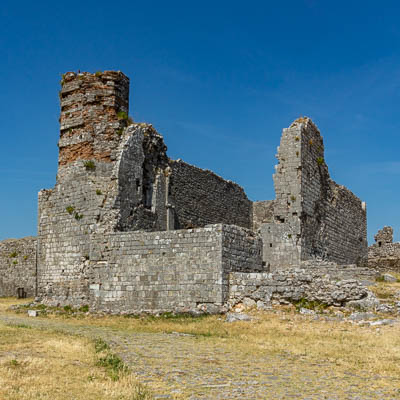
{"points": [[48, 363], [41, 364]]}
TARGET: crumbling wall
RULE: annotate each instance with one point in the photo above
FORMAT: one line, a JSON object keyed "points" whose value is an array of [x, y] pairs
{"points": [[200, 197], [94, 108], [334, 225], [142, 179], [18, 266], [282, 233], [384, 255], [313, 217], [325, 282]]}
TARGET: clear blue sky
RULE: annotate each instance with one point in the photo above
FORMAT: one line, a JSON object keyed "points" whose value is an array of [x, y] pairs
{"points": [[219, 79]]}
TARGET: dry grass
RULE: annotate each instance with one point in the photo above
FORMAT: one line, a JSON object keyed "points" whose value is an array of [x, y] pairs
{"points": [[36, 364], [388, 291], [283, 331], [366, 351]]}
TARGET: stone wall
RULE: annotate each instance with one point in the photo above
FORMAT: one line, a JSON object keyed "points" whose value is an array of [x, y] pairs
{"points": [[18, 266], [201, 197], [263, 212], [384, 255], [181, 270], [326, 283], [334, 225], [312, 216]]}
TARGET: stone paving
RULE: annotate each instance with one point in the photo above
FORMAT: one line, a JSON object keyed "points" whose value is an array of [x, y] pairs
{"points": [[195, 367]]}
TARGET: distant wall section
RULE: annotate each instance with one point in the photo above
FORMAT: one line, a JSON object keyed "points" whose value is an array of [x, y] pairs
{"points": [[384, 255], [200, 197], [18, 266]]}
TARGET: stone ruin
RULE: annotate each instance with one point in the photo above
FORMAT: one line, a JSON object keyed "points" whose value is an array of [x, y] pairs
{"points": [[384, 255], [126, 229]]}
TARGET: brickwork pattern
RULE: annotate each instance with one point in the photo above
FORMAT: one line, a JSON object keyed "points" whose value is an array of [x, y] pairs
{"points": [[133, 272], [94, 107]]}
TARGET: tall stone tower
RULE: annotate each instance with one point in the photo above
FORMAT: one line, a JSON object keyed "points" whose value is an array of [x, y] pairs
{"points": [[94, 115], [94, 110]]}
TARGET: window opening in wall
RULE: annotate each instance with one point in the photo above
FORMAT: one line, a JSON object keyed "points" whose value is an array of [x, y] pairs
{"points": [[279, 219], [270, 245], [380, 244], [147, 195], [137, 186]]}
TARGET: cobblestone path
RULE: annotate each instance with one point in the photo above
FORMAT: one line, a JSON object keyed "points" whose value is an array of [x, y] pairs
{"points": [[203, 368]]}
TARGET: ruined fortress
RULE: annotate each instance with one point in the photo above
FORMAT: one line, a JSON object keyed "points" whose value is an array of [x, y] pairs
{"points": [[127, 229]]}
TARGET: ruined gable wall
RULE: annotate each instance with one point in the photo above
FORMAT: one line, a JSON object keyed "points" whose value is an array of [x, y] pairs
{"points": [[18, 266], [333, 218], [201, 197]]}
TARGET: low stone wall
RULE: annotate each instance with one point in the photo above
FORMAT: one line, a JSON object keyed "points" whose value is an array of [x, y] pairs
{"points": [[18, 266], [264, 289]]}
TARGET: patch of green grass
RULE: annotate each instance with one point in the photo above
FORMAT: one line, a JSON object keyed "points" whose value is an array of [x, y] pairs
{"points": [[99, 192], [23, 326], [98, 73], [78, 216], [320, 160], [122, 115], [13, 254], [68, 308], [84, 308], [70, 209], [89, 165], [14, 363], [310, 305], [100, 345]]}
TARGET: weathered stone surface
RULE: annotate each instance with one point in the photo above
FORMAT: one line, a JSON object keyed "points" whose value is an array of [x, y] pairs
{"points": [[18, 266], [312, 217], [384, 255], [290, 285]]}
